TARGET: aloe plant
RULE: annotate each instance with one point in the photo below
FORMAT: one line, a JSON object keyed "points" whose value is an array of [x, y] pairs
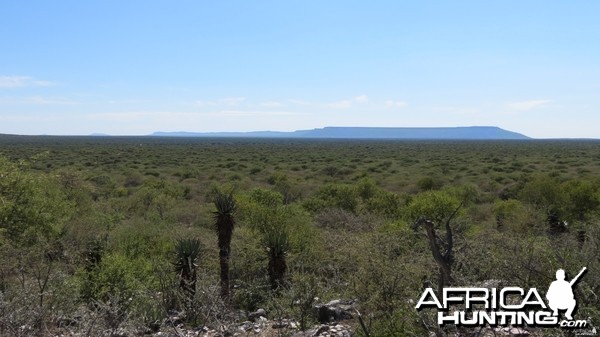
{"points": [[224, 224], [276, 241], [187, 255]]}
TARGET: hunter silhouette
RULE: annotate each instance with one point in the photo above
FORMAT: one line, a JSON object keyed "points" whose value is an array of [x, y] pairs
{"points": [[560, 294]]}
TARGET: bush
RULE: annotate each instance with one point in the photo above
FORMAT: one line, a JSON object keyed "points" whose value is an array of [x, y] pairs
{"points": [[333, 196], [386, 204], [339, 219], [266, 198], [124, 286], [428, 183], [33, 206], [511, 214]]}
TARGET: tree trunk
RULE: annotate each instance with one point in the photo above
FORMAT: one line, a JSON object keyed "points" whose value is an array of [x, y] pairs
{"points": [[277, 268], [443, 256], [224, 263]]}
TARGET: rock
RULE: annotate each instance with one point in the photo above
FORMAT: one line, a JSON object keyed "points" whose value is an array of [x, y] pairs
{"points": [[513, 332], [253, 316], [335, 310], [262, 327], [246, 326], [307, 333], [322, 329], [65, 321], [336, 330], [516, 332], [201, 329], [280, 325]]}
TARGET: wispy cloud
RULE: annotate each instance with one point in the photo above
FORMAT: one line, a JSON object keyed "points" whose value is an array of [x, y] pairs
{"points": [[395, 104], [345, 104], [299, 102], [348, 103], [242, 113], [132, 116], [50, 101], [126, 101], [271, 104], [527, 105], [232, 100], [22, 81], [125, 116], [456, 110], [37, 100], [361, 99], [227, 101]]}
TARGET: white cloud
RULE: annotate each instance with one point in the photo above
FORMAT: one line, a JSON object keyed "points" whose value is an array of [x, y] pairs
{"points": [[395, 104], [203, 104], [456, 110], [299, 102], [271, 104], [227, 101], [232, 100], [527, 105], [126, 101], [348, 103], [22, 81], [131, 116], [361, 99], [345, 104], [126, 116], [37, 100], [50, 101], [244, 113]]}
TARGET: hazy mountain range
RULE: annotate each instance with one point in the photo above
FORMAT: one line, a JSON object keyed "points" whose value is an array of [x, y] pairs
{"points": [[472, 132]]}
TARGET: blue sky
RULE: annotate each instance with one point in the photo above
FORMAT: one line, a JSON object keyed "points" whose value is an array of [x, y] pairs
{"points": [[134, 67]]}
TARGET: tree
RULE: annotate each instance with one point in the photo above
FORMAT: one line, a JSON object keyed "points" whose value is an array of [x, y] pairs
{"points": [[432, 209], [546, 194], [33, 207], [34, 212], [267, 214], [224, 224]]}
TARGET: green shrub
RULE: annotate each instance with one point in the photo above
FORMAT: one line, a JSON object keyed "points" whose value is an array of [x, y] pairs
{"points": [[266, 198], [387, 204], [33, 206], [428, 183], [124, 282], [511, 214], [333, 196]]}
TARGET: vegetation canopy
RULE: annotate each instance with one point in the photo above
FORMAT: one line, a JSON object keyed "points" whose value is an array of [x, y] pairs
{"points": [[115, 235]]}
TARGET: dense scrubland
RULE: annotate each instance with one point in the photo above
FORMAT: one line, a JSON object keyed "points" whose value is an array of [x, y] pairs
{"points": [[102, 233]]}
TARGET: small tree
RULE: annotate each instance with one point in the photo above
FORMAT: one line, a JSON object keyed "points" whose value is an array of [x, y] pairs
{"points": [[432, 209], [224, 224], [267, 214]]}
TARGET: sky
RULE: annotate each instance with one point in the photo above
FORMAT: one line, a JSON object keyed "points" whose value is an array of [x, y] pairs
{"points": [[135, 67]]}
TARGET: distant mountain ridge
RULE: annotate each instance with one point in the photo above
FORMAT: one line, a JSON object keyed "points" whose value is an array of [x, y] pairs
{"points": [[448, 133]]}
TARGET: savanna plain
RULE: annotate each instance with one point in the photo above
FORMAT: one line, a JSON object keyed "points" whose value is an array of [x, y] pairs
{"points": [[111, 236]]}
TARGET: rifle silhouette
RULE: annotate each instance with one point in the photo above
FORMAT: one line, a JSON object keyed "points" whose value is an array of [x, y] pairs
{"points": [[578, 276]]}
